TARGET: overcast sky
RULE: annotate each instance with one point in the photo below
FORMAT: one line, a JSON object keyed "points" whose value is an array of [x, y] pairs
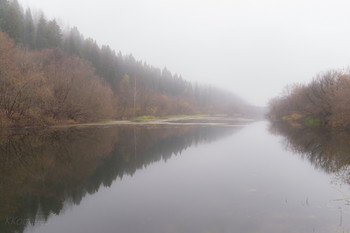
{"points": [[251, 47]]}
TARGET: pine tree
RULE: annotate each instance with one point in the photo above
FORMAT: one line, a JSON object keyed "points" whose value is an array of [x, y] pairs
{"points": [[3, 4], [73, 42], [41, 39], [29, 30], [12, 19], [53, 34]]}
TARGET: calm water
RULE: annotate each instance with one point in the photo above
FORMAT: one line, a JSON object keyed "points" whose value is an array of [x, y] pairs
{"points": [[166, 179]]}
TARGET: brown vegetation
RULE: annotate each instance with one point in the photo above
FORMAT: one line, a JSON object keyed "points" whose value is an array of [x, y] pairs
{"points": [[49, 86], [325, 100], [52, 78]]}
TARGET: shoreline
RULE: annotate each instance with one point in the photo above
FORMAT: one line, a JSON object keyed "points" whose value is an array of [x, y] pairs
{"points": [[189, 121], [179, 121]]}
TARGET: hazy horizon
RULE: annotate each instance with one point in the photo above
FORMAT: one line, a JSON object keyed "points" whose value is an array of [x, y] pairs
{"points": [[252, 48]]}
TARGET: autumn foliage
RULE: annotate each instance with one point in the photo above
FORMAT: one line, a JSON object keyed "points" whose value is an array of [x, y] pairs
{"points": [[324, 101], [49, 86], [51, 74]]}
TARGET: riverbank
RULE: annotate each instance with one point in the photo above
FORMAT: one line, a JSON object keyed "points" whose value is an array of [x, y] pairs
{"points": [[188, 120]]}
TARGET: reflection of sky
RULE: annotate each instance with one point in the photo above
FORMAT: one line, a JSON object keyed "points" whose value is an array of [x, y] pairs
{"points": [[244, 183]]}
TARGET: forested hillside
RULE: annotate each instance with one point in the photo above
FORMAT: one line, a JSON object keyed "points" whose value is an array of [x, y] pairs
{"points": [[50, 75]]}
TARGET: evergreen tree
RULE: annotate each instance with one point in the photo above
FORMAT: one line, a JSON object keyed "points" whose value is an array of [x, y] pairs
{"points": [[12, 19], [73, 42], [3, 4], [91, 52], [41, 37], [158, 89], [108, 63], [29, 30], [53, 34]]}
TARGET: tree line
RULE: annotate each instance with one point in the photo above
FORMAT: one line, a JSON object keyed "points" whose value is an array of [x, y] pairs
{"points": [[324, 101], [136, 87]]}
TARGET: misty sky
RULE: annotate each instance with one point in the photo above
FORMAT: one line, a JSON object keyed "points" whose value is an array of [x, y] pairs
{"points": [[251, 47]]}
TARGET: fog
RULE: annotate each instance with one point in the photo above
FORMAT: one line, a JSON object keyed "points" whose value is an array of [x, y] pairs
{"points": [[251, 47]]}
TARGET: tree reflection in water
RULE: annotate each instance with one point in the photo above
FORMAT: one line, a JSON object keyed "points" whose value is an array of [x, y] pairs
{"points": [[43, 170], [326, 149]]}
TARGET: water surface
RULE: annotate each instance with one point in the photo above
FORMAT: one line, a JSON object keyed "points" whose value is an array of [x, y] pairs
{"points": [[163, 179]]}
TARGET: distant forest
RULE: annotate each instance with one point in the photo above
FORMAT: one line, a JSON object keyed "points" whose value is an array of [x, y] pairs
{"points": [[50, 75], [325, 101]]}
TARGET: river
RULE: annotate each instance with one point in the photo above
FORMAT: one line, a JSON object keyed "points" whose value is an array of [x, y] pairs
{"points": [[255, 178]]}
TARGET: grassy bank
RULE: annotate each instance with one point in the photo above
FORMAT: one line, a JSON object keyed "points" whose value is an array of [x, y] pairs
{"points": [[300, 120], [149, 117]]}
